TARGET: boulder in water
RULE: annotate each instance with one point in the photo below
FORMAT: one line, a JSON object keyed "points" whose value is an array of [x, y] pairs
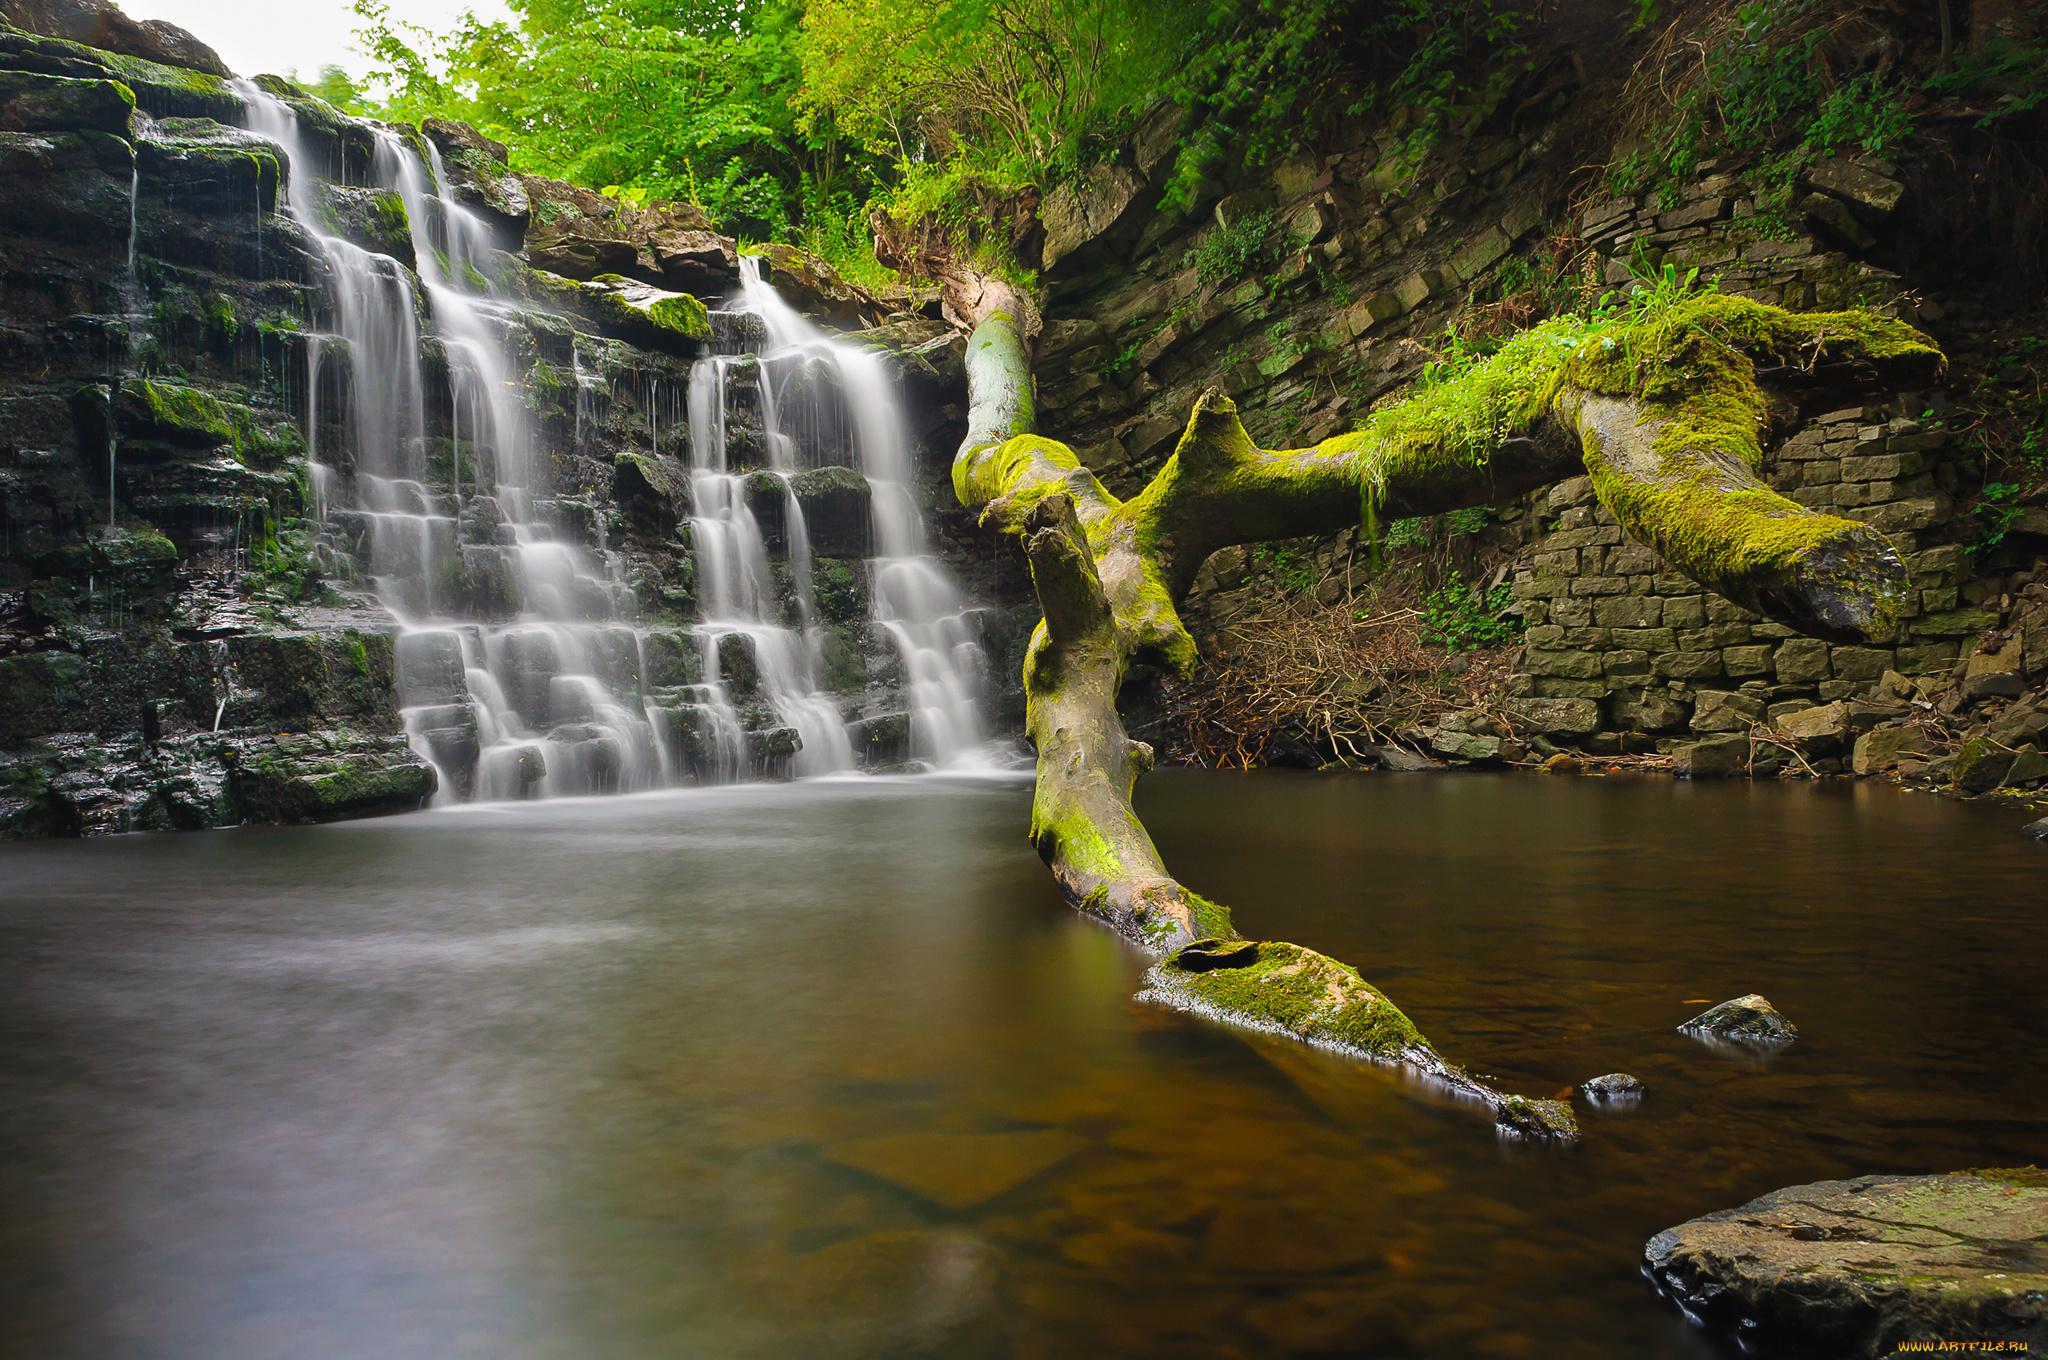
{"points": [[1748, 1018], [1543, 1121], [1870, 1266]]}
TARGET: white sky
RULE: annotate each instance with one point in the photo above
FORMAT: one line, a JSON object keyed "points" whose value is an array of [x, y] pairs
{"points": [[257, 37]]}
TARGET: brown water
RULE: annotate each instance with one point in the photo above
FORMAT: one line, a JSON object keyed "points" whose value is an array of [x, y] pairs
{"points": [[827, 1070]]}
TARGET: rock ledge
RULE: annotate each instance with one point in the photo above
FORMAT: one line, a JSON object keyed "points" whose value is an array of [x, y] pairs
{"points": [[1868, 1266]]}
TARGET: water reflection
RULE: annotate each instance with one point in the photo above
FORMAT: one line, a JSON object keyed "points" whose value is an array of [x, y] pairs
{"points": [[827, 1070]]}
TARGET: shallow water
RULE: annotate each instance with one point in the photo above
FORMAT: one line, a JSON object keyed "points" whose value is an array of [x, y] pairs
{"points": [[828, 1070]]}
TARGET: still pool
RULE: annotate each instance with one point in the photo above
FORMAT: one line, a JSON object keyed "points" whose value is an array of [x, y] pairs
{"points": [[828, 1070]]}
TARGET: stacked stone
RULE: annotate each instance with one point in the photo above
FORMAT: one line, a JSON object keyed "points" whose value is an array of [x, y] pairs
{"points": [[1381, 251], [1717, 228], [1619, 644]]}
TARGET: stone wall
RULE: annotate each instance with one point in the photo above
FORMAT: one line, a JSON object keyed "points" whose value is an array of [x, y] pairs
{"points": [[1624, 654], [1620, 644]]}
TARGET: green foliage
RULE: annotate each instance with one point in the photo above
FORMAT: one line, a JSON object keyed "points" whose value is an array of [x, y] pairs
{"points": [[287, 564], [337, 87], [1255, 65], [1458, 357], [785, 119], [2012, 70], [1765, 88], [2004, 423], [1782, 83], [1017, 91], [1460, 618], [1124, 362], [1422, 532], [1291, 566], [1996, 514], [649, 98], [1234, 251], [1410, 533]]}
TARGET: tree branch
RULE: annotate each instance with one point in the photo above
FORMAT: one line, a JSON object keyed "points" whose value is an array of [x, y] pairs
{"points": [[1663, 410]]}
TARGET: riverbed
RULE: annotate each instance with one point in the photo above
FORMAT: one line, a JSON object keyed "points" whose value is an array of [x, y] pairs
{"points": [[828, 1069]]}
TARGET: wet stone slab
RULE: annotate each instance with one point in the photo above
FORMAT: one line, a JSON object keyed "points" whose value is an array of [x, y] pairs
{"points": [[958, 1170], [1871, 1266]]}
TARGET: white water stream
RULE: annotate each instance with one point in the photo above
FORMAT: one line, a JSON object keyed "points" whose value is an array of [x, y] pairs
{"points": [[559, 700]]}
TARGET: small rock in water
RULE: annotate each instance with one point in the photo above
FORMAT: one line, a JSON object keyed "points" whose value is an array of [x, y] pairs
{"points": [[1749, 1018], [1538, 1120], [2038, 830], [1614, 1088], [1562, 763]]}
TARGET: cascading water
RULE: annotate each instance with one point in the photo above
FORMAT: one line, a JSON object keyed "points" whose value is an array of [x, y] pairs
{"points": [[915, 601], [559, 700], [744, 617]]}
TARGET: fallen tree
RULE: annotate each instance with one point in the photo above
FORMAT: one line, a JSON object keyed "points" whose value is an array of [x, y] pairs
{"points": [[1667, 408]]}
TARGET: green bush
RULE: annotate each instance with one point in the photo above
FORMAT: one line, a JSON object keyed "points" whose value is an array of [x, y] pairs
{"points": [[1460, 618]]}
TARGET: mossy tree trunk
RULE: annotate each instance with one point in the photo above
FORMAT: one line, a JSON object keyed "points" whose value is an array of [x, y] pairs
{"points": [[1667, 411]]}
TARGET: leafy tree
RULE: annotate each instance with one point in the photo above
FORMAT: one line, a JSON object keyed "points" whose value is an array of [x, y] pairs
{"points": [[673, 100]]}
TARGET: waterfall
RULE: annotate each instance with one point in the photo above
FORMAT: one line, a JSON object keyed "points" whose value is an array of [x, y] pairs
{"points": [[740, 602], [916, 603], [562, 700]]}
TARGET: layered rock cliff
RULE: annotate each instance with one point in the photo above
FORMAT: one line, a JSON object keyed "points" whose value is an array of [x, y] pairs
{"points": [[197, 620]]}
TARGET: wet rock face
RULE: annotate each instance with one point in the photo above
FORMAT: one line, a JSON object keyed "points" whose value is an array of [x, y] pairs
{"points": [[1866, 1267], [149, 733]]}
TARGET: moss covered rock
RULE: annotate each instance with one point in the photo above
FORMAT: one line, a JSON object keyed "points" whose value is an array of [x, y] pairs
{"points": [[327, 776], [30, 102], [1980, 766]]}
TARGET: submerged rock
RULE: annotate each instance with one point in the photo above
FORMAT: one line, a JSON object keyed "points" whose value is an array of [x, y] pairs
{"points": [[957, 1170], [1749, 1018], [2038, 830], [1613, 1089], [1867, 1267], [899, 1295]]}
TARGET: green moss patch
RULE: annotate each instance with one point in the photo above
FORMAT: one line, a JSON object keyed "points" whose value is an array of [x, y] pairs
{"points": [[2029, 1177], [1300, 992]]}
